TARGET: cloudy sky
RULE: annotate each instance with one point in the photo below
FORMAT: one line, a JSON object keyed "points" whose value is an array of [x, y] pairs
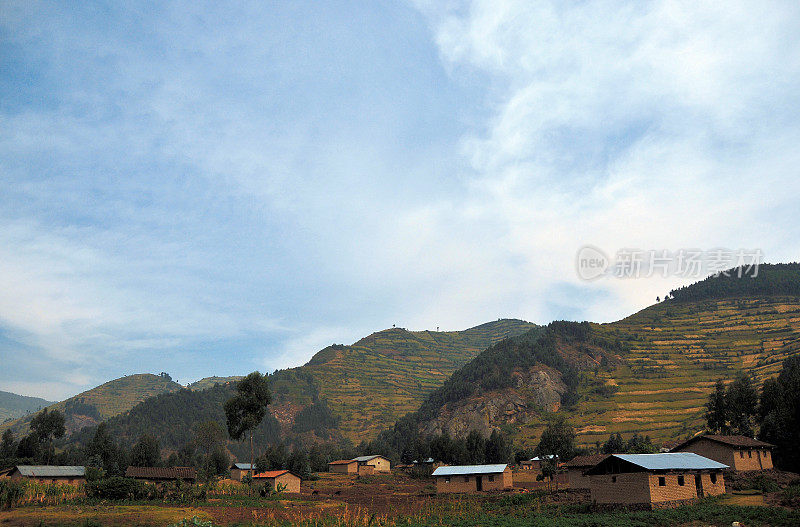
{"points": [[203, 190]]}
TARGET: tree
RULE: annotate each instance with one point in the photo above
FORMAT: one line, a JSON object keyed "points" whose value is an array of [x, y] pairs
{"points": [[498, 449], [28, 447], [245, 410], [46, 426], [779, 414], [476, 448], [146, 453], [8, 446], [741, 400], [102, 450], [614, 445], [208, 435], [557, 439], [716, 409]]}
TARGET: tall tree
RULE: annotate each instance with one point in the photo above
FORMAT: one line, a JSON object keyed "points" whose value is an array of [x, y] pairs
{"points": [[498, 449], [779, 414], [558, 438], [245, 410], [716, 409], [146, 452], [47, 426], [741, 400], [8, 446]]}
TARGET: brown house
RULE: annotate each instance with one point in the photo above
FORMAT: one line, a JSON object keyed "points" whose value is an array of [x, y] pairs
{"points": [[343, 466], [162, 474], [378, 463], [535, 463], [239, 470], [274, 478], [654, 480], [49, 473], [577, 467], [473, 478], [741, 453]]}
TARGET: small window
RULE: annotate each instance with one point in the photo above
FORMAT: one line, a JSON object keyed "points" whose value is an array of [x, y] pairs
{"points": [[714, 478], [447, 480], [491, 478], [749, 453], [662, 481], [741, 453], [613, 479], [680, 481], [466, 478]]}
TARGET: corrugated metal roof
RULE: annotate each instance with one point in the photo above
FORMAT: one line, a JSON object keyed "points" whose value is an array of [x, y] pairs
{"points": [[242, 466], [469, 469], [51, 471], [362, 459], [672, 461]]}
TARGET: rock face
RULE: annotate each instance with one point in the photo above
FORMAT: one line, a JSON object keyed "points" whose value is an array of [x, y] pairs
{"points": [[534, 391]]}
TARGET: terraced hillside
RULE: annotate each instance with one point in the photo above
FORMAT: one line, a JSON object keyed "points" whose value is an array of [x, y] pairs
{"points": [[381, 377], [655, 368], [104, 401]]}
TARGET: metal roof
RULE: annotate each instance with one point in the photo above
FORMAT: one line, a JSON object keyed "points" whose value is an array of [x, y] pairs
{"points": [[242, 466], [51, 471], [671, 461], [361, 459], [469, 469]]}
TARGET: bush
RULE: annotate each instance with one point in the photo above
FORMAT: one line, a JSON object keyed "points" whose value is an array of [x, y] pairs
{"points": [[11, 492], [118, 488]]}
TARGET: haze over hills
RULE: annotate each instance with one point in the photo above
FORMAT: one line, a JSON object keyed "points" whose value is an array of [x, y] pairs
{"points": [[13, 406], [649, 373]]}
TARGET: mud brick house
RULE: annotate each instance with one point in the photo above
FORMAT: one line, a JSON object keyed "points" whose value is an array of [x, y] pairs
{"points": [[654, 480], [741, 453], [577, 467], [343, 466], [162, 474], [239, 470], [273, 478], [535, 463], [48, 473], [473, 478], [378, 463]]}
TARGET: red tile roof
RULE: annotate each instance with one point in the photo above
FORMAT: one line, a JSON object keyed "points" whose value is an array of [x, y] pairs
{"points": [[161, 473], [734, 441], [270, 474], [585, 461]]}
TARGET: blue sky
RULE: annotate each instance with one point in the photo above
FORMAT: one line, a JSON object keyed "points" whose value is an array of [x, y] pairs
{"points": [[208, 191]]}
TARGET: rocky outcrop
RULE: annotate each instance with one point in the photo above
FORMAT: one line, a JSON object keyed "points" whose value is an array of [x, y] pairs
{"points": [[534, 391]]}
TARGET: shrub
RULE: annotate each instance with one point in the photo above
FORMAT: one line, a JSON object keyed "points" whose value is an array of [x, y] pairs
{"points": [[11, 492], [118, 488]]}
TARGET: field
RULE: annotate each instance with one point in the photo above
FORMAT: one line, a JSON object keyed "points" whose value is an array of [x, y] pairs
{"points": [[399, 500]]}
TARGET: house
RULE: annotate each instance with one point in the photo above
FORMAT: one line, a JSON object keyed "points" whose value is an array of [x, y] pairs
{"points": [[535, 463], [273, 478], [473, 478], [49, 473], [577, 467], [654, 480], [741, 453], [343, 466], [239, 470], [162, 474], [378, 463]]}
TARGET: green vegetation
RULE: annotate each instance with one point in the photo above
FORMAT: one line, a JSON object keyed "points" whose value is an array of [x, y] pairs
{"points": [[779, 414], [764, 280], [13, 406]]}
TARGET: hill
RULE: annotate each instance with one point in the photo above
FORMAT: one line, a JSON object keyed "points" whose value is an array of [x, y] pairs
{"points": [[649, 373], [13, 406], [104, 401], [209, 382]]}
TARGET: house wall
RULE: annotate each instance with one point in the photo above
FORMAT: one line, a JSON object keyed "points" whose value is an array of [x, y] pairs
{"points": [[643, 488], [469, 482], [291, 481], [237, 473], [365, 470], [738, 458], [747, 459], [628, 489], [380, 464], [576, 478], [350, 468], [16, 476]]}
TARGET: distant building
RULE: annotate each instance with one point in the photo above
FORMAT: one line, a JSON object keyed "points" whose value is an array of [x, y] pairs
{"points": [[378, 463], [473, 478], [162, 474], [48, 473], [741, 453], [280, 477], [343, 466], [655, 480], [535, 463], [577, 467], [239, 470]]}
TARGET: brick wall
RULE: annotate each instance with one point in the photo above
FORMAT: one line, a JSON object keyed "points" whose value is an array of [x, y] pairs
{"points": [[350, 468], [576, 478], [291, 481], [746, 459], [622, 489], [468, 482], [380, 464], [653, 488], [738, 458]]}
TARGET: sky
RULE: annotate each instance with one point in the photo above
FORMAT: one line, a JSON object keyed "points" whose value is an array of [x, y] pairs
{"points": [[211, 190]]}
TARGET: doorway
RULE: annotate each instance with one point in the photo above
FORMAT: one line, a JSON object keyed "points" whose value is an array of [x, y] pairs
{"points": [[479, 483], [698, 483]]}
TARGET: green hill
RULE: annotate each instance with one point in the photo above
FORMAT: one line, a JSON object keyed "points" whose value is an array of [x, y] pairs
{"points": [[209, 382], [13, 406], [104, 401], [649, 373]]}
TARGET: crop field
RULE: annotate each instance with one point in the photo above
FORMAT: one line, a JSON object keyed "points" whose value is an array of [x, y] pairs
{"points": [[396, 500]]}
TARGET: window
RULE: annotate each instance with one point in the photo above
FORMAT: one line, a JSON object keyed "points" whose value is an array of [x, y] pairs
{"points": [[741, 453], [714, 478], [766, 453], [447, 480], [613, 479], [491, 478], [680, 481], [662, 481], [466, 479], [749, 453]]}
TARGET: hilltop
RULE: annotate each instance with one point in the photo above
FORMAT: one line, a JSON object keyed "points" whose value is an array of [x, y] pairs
{"points": [[13, 406], [649, 373], [104, 401]]}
